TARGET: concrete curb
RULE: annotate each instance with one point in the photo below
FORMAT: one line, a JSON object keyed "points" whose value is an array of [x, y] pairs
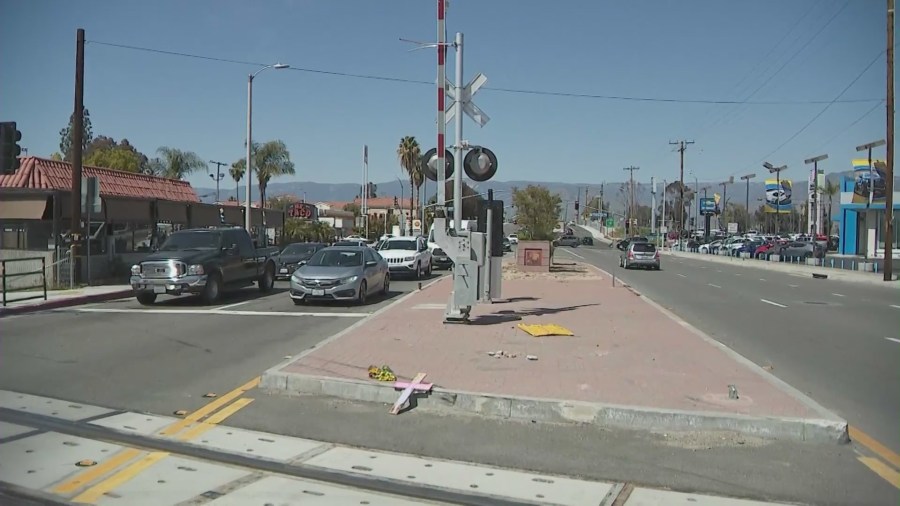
{"points": [[65, 302], [563, 411]]}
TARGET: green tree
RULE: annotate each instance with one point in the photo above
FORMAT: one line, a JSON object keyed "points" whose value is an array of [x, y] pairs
{"points": [[178, 163], [353, 207], [538, 211], [67, 133], [271, 159], [236, 172], [829, 191], [280, 202], [117, 158], [56, 157], [409, 153]]}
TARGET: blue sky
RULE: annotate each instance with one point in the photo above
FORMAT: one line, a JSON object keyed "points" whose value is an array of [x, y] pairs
{"points": [[696, 50]]}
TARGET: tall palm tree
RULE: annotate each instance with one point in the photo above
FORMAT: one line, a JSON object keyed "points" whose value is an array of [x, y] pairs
{"points": [[236, 172], [409, 152], [829, 190], [178, 163], [272, 160]]}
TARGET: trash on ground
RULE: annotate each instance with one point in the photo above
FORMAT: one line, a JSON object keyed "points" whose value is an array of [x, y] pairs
{"points": [[538, 330], [501, 354], [531, 357]]}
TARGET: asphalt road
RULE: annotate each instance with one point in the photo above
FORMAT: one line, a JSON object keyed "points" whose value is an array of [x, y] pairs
{"points": [[166, 357], [837, 341]]}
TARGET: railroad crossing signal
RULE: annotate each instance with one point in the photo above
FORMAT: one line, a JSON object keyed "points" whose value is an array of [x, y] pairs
{"points": [[428, 163], [469, 108]]}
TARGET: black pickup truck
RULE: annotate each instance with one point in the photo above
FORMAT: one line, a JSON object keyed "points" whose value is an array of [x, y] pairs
{"points": [[205, 262]]}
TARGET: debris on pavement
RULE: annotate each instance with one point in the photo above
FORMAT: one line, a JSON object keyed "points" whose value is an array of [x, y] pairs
{"points": [[383, 373], [531, 357], [180, 412], [501, 354], [210, 395], [537, 330]]}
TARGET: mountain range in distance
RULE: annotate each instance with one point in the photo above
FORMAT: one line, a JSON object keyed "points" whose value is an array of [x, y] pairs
{"points": [[613, 192]]}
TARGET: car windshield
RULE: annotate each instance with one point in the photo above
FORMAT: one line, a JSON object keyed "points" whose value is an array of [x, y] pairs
{"points": [[401, 244], [299, 249], [643, 247], [438, 252], [181, 241], [347, 243], [336, 258]]}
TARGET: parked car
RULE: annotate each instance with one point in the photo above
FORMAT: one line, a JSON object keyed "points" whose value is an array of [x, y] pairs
{"points": [[440, 259], [349, 242], [205, 261], [513, 238], [294, 255], [341, 273], [507, 245], [640, 254], [407, 255]]}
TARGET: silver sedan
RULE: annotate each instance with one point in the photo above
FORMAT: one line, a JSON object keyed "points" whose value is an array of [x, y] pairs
{"points": [[348, 273]]}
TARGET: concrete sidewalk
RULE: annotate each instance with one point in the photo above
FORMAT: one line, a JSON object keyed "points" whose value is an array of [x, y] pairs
{"points": [[63, 298], [789, 268], [630, 364]]}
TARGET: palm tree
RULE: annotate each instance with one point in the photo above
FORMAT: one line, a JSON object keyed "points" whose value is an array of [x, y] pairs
{"points": [[409, 153], [178, 163], [272, 160], [829, 190], [237, 171]]}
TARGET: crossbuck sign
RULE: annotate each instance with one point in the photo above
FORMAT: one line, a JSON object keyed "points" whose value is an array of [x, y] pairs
{"points": [[468, 107]]}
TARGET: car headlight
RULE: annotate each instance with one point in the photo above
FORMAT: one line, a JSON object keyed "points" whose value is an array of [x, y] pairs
{"points": [[296, 277], [195, 270], [409, 259], [349, 279], [136, 270]]}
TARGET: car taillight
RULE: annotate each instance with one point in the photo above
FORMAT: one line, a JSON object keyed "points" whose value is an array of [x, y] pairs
{"points": [[630, 254], [657, 254]]}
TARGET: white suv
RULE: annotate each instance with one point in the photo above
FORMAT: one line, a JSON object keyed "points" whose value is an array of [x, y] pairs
{"points": [[407, 255]]}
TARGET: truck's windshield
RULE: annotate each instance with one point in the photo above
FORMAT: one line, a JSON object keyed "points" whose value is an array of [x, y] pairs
{"points": [[180, 241]]}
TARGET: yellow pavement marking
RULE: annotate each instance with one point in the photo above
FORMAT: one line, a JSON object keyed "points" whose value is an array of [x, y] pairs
{"points": [[209, 408], [94, 493], [89, 475], [214, 420], [873, 445], [881, 469], [538, 330]]}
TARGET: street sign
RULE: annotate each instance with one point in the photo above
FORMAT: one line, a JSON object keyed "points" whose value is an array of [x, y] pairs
{"points": [[429, 164], [469, 108], [303, 211], [610, 222], [90, 195], [708, 205], [732, 228]]}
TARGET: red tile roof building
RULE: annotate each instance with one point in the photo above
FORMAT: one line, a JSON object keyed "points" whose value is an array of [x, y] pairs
{"points": [[43, 174]]}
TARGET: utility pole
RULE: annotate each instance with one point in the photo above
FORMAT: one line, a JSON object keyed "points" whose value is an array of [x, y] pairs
{"points": [[724, 186], [77, 143], [747, 178], [602, 214], [889, 165], [218, 176], [631, 196], [682, 146], [813, 207], [653, 206]]}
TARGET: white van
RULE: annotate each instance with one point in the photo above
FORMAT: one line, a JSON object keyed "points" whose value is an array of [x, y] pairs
{"points": [[467, 225]]}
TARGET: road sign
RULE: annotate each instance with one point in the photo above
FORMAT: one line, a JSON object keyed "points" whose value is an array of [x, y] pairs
{"points": [[732, 228], [469, 108], [90, 195], [610, 222]]}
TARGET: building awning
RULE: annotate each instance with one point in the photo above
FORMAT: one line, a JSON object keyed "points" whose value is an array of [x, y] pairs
{"points": [[23, 208]]}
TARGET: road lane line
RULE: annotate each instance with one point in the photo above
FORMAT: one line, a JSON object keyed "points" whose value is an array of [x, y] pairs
{"points": [[737, 273], [215, 312], [837, 295], [574, 254], [101, 469], [209, 408], [94, 493], [874, 445], [793, 286], [762, 279], [893, 339], [772, 303], [895, 306], [229, 306], [682, 275], [881, 469], [714, 286]]}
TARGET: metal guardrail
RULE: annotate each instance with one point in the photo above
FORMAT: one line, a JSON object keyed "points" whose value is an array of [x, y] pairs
{"points": [[5, 275]]}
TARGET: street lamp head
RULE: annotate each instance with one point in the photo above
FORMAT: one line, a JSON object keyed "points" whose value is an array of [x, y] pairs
{"points": [[748, 177], [870, 145], [768, 165], [280, 66], [815, 159]]}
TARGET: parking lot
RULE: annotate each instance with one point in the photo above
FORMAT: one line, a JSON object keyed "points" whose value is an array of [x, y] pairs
{"points": [[166, 357]]}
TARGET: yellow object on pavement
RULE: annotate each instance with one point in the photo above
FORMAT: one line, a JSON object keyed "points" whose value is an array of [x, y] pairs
{"points": [[383, 373], [537, 330]]}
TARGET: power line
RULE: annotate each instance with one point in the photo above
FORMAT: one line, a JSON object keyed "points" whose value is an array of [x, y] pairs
{"points": [[851, 125], [504, 90]]}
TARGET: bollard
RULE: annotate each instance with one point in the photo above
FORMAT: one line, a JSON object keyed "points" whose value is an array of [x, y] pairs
{"points": [[420, 285], [614, 280]]}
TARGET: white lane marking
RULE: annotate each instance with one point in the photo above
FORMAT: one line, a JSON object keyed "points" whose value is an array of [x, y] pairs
{"points": [[893, 339], [682, 275], [217, 313], [573, 254], [718, 270], [895, 306], [793, 286], [762, 279], [229, 306], [737, 273], [714, 286], [837, 295], [772, 303]]}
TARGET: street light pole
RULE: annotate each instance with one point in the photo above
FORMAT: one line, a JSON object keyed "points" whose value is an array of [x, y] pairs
{"points": [[814, 198], [218, 177], [747, 178], [249, 166]]}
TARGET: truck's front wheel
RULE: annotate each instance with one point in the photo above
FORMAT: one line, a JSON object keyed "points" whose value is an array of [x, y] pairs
{"points": [[145, 298], [213, 288], [267, 280]]}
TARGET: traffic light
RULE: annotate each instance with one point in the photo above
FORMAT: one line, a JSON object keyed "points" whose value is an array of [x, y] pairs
{"points": [[9, 147], [222, 215], [396, 203], [577, 205]]}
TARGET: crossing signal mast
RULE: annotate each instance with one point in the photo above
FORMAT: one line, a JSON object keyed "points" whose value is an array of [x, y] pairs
{"points": [[9, 147]]}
